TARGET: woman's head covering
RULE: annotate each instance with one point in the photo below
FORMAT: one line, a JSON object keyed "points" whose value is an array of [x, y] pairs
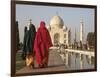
{"points": [[42, 24]]}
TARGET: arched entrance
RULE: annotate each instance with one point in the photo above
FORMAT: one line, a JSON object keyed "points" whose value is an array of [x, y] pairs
{"points": [[56, 39]]}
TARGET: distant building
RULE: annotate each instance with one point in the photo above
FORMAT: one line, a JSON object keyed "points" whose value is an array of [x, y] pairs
{"points": [[81, 31], [60, 34]]}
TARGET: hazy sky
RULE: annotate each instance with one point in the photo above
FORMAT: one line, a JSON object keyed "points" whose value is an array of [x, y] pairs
{"points": [[71, 17]]}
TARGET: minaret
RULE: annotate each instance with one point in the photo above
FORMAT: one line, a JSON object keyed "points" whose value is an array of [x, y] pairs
{"points": [[30, 21], [69, 36], [75, 36], [75, 39], [81, 31]]}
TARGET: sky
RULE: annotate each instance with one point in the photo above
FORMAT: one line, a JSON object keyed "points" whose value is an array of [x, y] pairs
{"points": [[71, 17]]}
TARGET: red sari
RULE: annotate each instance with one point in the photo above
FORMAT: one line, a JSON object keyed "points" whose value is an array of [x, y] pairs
{"points": [[42, 44]]}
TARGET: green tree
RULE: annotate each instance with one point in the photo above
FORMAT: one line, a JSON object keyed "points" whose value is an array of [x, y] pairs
{"points": [[91, 39]]}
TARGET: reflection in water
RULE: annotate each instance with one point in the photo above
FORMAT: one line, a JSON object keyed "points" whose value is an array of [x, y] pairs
{"points": [[76, 55], [78, 61], [92, 60]]}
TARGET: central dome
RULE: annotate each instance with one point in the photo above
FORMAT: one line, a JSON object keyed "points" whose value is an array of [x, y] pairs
{"points": [[56, 21]]}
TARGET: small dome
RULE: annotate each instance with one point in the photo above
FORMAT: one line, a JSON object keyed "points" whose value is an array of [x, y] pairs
{"points": [[64, 28], [56, 21]]}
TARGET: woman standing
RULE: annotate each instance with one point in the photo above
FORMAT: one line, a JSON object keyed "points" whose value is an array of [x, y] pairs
{"points": [[29, 37], [41, 45]]}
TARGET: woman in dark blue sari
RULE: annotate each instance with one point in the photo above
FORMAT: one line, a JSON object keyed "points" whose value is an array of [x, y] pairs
{"points": [[28, 43]]}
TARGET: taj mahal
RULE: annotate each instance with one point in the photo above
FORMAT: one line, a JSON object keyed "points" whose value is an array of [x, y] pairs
{"points": [[59, 33]]}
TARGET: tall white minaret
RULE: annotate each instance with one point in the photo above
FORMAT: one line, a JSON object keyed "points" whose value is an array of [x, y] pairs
{"points": [[81, 30]]}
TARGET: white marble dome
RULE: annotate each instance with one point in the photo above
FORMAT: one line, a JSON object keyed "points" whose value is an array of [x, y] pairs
{"points": [[56, 21]]}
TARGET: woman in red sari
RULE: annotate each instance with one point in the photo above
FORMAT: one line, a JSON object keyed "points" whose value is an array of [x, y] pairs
{"points": [[41, 45]]}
